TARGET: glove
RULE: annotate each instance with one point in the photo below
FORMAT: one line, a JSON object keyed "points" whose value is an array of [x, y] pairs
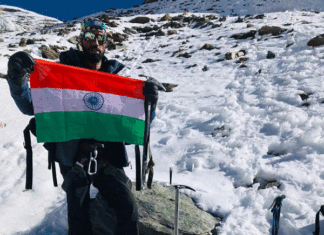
{"points": [[150, 90], [20, 65]]}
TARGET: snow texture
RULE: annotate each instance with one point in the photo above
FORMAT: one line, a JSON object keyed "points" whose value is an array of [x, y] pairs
{"points": [[224, 130]]}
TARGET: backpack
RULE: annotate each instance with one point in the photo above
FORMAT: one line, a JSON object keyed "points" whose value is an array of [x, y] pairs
{"points": [[50, 147]]}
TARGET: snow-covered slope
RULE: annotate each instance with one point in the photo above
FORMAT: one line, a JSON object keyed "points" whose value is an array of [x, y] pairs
{"points": [[18, 19], [223, 7], [226, 129]]}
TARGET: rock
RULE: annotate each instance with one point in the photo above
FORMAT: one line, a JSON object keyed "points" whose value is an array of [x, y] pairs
{"points": [[274, 30], [129, 31], [270, 55], [57, 48], [205, 68], [166, 17], [12, 45], [207, 47], [112, 24], [266, 183], [149, 1], [117, 37], [305, 96], [173, 24], [48, 53], [244, 35], [150, 61], [185, 55], [259, 16], [156, 214], [178, 18], [140, 20], [1, 40], [22, 42], [147, 29], [10, 10], [27, 51], [239, 20], [175, 54], [241, 60], [73, 40], [169, 86], [171, 32], [30, 41], [191, 66], [249, 25], [233, 55], [121, 47], [317, 41], [222, 19], [158, 33]]}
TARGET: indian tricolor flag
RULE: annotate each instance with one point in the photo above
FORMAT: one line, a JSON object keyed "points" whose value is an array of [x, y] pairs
{"points": [[76, 103]]}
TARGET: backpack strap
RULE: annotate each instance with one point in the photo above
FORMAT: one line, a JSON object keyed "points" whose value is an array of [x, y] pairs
{"points": [[50, 147], [29, 157], [317, 225]]}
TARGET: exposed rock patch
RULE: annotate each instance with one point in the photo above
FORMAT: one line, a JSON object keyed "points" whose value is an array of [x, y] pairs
{"points": [[156, 212], [317, 41], [140, 20], [274, 30]]}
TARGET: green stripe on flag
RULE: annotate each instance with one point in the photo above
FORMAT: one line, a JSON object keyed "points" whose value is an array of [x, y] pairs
{"points": [[65, 126]]}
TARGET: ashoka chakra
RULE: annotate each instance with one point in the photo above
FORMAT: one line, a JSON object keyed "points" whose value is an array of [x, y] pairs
{"points": [[93, 101]]}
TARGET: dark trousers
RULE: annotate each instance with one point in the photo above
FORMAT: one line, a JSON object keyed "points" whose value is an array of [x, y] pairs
{"points": [[115, 188]]}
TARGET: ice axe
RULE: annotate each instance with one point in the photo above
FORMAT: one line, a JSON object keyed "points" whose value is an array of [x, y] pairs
{"points": [[177, 198]]}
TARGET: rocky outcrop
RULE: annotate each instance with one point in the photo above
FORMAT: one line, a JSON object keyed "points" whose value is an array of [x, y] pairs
{"points": [[149, 1], [140, 20], [52, 52], [244, 35], [156, 211], [167, 17], [317, 41], [274, 30]]}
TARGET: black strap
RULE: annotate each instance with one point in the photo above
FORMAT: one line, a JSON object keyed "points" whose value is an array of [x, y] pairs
{"points": [[51, 161], [317, 225], [138, 168], [29, 158]]}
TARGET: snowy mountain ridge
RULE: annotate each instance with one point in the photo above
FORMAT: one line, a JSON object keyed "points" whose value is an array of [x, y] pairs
{"points": [[240, 131]]}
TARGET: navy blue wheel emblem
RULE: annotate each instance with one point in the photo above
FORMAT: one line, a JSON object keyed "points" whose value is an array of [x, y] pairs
{"points": [[93, 101]]}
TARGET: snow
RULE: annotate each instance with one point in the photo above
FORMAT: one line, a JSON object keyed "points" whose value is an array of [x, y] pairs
{"points": [[223, 131]]}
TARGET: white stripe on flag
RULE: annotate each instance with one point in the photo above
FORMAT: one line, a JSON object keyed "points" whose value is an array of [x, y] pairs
{"points": [[65, 100]]}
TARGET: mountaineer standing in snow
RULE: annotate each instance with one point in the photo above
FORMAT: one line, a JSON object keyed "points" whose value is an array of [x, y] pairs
{"points": [[73, 156]]}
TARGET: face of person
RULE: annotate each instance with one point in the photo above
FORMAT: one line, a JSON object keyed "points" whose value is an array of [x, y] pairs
{"points": [[93, 48]]}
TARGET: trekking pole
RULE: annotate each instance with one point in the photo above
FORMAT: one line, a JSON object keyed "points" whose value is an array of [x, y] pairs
{"points": [[275, 209], [147, 106], [177, 199]]}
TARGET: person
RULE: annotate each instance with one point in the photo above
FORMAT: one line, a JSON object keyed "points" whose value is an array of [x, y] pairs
{"points": [[73, 156]]}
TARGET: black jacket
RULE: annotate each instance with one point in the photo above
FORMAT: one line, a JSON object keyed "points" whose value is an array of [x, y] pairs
{"points": [[65, 152]]}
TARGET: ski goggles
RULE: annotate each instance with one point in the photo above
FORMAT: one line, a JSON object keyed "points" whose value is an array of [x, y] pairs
{"points": [[89, 36], [97, 24]]}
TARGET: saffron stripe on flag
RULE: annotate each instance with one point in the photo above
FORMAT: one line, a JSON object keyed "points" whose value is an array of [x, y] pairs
{"points": [[54, 75], [65, 126], [62, 100]]}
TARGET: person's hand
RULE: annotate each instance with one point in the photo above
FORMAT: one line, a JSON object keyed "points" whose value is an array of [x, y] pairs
{"points": [[150, 90], [20, 65]]}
